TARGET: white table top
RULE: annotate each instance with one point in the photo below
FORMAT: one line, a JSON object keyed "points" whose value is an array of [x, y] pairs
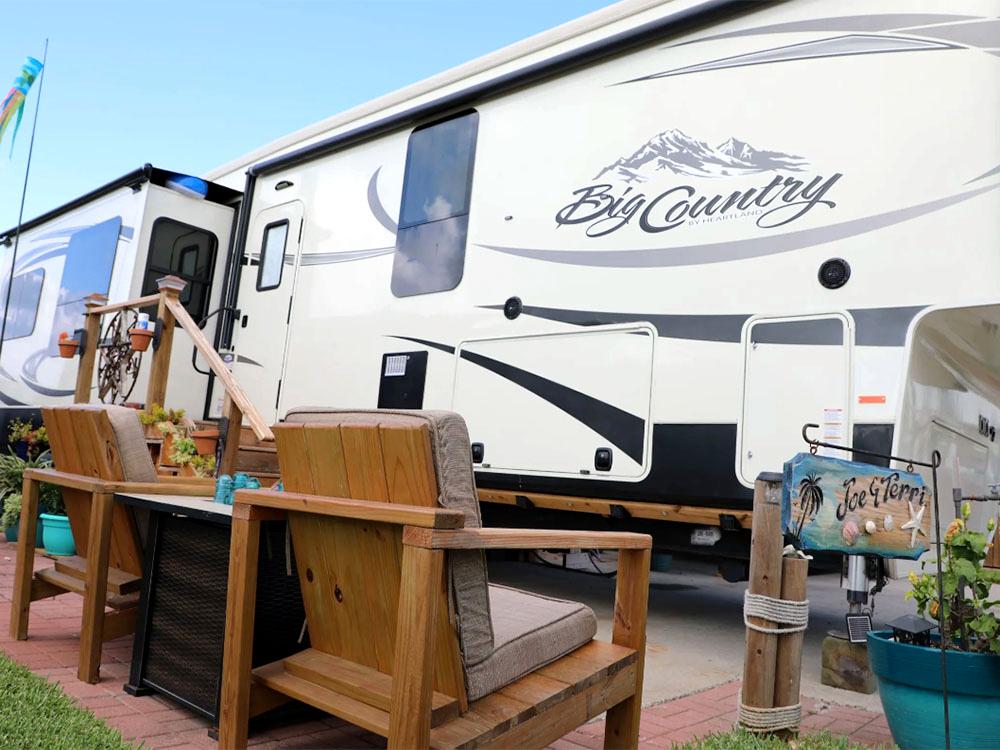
{"points": [[200, 506]]}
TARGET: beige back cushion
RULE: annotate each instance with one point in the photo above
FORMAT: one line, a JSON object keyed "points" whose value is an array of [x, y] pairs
{"points": [[130, 439], [469, 594]]}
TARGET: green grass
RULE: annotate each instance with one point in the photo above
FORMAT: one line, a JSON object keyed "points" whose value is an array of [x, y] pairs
{"points": [[741, 740], [38, 715]]}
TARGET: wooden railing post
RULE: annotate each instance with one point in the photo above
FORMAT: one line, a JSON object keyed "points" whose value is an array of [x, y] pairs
{"points": [[231, 427], [156, 392], [88, 351]]}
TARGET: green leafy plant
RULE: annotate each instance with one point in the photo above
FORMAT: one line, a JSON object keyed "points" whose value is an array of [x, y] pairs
{"points": [[970, 618], [12, 479], [157, 415], [185, 453], [11, 511], [35, 439]]}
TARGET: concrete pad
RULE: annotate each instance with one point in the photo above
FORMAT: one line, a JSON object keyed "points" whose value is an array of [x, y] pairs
{"points": [[695, 634]]}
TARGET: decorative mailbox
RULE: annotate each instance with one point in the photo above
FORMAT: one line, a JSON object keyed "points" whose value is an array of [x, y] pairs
{"points": [[858, 509]]}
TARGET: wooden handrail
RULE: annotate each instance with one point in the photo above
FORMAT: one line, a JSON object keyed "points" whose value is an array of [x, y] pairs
{"points": [[151, 299], [236, 393]]}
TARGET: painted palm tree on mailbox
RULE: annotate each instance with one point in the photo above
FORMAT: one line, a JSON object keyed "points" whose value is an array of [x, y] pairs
{"points": [[810, 499]]}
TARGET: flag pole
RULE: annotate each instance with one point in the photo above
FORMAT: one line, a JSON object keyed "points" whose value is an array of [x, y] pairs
{"points": [[24, 192]]}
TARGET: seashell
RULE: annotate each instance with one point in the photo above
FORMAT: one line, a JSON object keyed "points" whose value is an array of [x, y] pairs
{"points": [[850, 532], [888, 524], [870, 527]]}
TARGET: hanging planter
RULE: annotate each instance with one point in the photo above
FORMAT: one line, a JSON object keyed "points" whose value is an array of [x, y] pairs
{"points": [[205, 441], [140, 338], [67, 346]]}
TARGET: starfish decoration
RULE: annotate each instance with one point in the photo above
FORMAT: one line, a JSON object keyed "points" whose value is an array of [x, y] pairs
{"points": [[914, 524]]}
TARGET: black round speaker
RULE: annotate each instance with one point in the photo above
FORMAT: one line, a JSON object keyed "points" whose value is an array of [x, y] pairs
{"points": [[834, 273], [512, 308]]}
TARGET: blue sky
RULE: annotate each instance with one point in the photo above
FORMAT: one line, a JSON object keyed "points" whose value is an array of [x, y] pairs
{"points": [[189, 85]]}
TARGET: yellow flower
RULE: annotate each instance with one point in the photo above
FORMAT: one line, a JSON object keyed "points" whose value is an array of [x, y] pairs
{"points": [[953, 528], [934, 610], [966, 510], [913, 578]]}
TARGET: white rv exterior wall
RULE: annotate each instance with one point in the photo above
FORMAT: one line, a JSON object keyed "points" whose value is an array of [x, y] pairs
{"points": [[886, 113]]}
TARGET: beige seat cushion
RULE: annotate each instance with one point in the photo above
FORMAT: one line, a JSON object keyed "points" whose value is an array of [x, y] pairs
{"points": [[457, 490], [529, 631]]}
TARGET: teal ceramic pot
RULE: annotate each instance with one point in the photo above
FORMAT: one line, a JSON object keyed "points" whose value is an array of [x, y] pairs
{"points": [[57, 537], [909, 684], [11, 533]]}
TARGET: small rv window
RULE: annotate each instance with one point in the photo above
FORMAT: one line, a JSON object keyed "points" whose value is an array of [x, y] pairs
{"points": [[272, 255], [25, 294], [434, 211], [187, 252]]}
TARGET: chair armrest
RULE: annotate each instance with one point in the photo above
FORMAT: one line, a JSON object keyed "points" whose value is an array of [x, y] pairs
{"points": [[363, 510], [191, 481], [93, 484], [524, 539], [65, 479]]}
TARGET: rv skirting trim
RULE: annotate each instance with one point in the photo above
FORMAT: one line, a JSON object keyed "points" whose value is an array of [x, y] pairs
{"points": [[791, 613], [762, 720]]}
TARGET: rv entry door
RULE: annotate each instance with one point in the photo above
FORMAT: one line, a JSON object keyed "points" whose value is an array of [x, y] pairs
{"points": [[267, 284]]}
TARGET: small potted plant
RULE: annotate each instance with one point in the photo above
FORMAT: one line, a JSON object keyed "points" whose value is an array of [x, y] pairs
{"points": [[26, 440], [140, 338], [67, 345], [57, 535], [909, 675], [185, 455], [166, 424], [206, 440]]}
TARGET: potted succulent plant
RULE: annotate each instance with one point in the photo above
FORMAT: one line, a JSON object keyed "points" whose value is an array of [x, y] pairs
{"points": [[185, 455], [167, 424], [909, 675], [67, 345]]}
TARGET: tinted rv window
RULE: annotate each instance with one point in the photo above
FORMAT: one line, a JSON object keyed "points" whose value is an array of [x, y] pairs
{"points": [[25, 293], [434, 212], [272, 255], [184, 251]]}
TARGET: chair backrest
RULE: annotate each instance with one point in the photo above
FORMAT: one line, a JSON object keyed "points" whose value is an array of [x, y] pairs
{"points": [[104, 442], [350, 570]]}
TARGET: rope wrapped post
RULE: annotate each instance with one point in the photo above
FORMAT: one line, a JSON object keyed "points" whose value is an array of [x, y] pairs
{"points": [[766, 544], [776, 614], [788, 663]]}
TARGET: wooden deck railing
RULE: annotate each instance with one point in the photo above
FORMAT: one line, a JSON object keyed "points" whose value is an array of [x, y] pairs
{"points": [[236, 403]]}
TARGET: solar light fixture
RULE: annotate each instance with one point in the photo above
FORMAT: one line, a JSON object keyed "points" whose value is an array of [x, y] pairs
{"points": [[913, 630], [858, 625]]}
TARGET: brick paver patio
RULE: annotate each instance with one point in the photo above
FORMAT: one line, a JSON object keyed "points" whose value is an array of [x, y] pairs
{"points": [[52, 647]]}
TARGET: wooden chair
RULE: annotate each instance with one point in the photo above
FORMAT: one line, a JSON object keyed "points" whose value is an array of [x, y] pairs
{"points": [[408, 640], [97, 451]]}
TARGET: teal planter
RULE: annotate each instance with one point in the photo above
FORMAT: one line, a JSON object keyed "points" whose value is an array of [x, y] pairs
{"points": [[909, 684], [57, 537], [11, 533]]}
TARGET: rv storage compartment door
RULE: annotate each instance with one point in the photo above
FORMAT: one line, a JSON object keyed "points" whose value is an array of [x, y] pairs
{"points": [[545, 404], [797, 370]]}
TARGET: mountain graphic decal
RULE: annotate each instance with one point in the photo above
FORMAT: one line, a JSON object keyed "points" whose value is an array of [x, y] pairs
{"points": [[673, 151]]}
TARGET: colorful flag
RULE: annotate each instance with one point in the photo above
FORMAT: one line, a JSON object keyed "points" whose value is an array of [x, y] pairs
{"points": [[12, 107]]}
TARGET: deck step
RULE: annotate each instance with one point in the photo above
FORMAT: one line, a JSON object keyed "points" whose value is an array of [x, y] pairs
{"points": [[74, 584]]}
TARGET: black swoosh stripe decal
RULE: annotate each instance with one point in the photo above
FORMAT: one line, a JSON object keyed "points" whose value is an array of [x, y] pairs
{"points": [[883, 326], [622, 429]]}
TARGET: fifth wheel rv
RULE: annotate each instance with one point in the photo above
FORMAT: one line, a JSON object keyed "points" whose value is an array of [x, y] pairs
{"points": [[639, 251]]}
